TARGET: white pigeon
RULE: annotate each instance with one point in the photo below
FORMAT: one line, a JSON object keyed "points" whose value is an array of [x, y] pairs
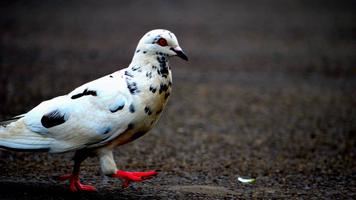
{"points": [[99, 115]]}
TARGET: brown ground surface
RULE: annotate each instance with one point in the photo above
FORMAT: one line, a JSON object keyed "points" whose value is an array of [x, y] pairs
{"points": [[269, 93]]}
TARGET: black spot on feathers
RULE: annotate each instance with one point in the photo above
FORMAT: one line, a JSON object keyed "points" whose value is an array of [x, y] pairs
{"points": [[134, 68], [130, 126], [132, 108], [153, 89], [52, 119], [148, 110], [163, 67], [149, 74], [129, 74], [117, 107], [132, 86], [163, 88], [84, 93]]}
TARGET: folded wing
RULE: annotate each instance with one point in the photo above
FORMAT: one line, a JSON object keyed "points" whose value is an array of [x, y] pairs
{"points": [[88, 116]]}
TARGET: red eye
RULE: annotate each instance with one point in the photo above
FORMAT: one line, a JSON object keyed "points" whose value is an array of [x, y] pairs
{"points": [[162, 42]]}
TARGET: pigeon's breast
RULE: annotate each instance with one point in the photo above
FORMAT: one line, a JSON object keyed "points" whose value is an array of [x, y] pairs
{"points": [[156, 97], [146, 108]]}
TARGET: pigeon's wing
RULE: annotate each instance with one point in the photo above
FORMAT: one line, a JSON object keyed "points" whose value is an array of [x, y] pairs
{"points": [[87, 116]]}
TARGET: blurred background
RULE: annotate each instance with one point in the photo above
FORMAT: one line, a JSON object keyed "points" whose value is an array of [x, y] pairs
{"points": [[269, 92]]}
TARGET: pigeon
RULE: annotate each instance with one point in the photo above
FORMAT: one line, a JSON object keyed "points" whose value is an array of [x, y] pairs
{"points": [[102, 114]]}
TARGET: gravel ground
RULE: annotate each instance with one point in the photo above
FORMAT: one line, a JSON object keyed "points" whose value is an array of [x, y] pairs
{"points": [[269, 93]]}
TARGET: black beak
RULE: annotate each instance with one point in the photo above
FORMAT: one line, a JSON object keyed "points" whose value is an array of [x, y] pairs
{"points": [[180, 53]]}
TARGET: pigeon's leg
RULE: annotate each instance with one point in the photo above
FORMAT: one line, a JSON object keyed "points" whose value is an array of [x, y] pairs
{"points": [[74, 182], [108, 167], [133, 176]]}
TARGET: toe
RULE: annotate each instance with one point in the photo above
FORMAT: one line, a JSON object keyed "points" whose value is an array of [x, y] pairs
{"points": [[87, 188], [145, 174]]}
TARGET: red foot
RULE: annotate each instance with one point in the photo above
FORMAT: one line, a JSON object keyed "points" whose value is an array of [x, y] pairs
{"points": [[75, 185], [133, 176]]}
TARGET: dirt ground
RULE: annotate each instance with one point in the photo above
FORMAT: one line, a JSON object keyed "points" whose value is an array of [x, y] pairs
{"points": [[269, 93]]}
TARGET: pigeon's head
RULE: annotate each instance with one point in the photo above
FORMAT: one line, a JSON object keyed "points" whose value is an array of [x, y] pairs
{"points": [[161, 41]]}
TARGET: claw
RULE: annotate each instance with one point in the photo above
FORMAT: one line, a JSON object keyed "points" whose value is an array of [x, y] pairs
{"points": [[75, 185], [133, 176]]}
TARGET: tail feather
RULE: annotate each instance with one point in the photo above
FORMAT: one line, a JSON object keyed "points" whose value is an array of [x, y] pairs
{"points": [[16, 136], [9, 121]]}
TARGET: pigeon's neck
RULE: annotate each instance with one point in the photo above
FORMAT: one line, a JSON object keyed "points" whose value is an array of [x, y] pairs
{"points": [[152, 64]]}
